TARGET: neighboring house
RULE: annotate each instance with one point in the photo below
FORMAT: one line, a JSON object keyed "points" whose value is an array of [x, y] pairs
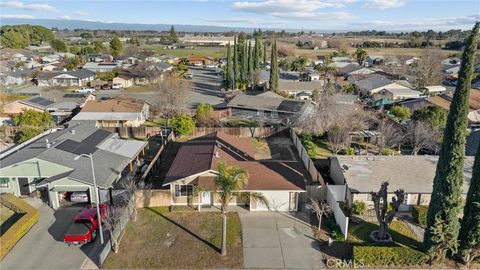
{"points": [[79, 77], [191, 60], [145, 73], [445, 100], [208, 40], [169, 58], [102, 66], [120, 111], [373, 60], [125, 80], [413, 174], [433, 89], [18, 77], [411, 61], [51, 163], [163, 67], [195, 167], [397, 93], [267, 108], [452, 61], [295, 88], [341, 62], [354, 68], [373, 84], [61, 111], [104, 57], [38, 104]]}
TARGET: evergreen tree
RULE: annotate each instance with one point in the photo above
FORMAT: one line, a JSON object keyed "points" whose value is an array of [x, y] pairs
{"points": [[250, 58], [173, 35], [236, 71], [115, 47], [442, 217], [244, 62], [256, 55], [469, 236], [230, 79], [264, 54], [273, 82]]}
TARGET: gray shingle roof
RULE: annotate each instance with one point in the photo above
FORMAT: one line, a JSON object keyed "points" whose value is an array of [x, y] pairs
{"points": [[373, 83], [268, 103]]}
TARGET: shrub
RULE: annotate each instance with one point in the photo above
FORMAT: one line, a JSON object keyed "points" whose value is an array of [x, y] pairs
{"points": [[19, 228], [388, 255], [348, 151], [419, 213], [26, 134], [359, 207], [183, 124], [388, 152], [400, 112], [311, 148], [334, 228]]}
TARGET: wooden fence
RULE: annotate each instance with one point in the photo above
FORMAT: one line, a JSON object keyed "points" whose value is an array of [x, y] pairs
{"points": [[155, 163], [135, 132], [259, 132], [307, 161]]}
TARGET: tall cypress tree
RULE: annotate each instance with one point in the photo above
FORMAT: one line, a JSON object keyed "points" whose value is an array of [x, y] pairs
{"points": [[469, 236], [445, 204], [229, 78], [236, 71], [273, 82], [264, 53], [256, 55], [244, 62], [250, 59]]}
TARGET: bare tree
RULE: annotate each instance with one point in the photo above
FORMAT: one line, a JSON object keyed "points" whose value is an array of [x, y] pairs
{"points": [[380, 203], [428, 70], [338, 138], [130, 187], [421, 136], [171, 96], [113, 223], [319, 209], [390, 135]]}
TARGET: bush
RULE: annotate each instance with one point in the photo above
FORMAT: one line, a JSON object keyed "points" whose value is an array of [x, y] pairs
{"points": [[26, 134], [311, 148], [334, 228], [359, 207], [388, 255], [419, 213], [400, 112], [19, 228], [348, 151], [183, 124], [388, 152]]}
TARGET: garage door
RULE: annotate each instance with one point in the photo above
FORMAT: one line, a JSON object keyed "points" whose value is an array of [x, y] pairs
{"points": [[277, 200]]}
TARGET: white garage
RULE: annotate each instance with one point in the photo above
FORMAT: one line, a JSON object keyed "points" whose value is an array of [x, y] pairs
{"points": [[277, 201]]}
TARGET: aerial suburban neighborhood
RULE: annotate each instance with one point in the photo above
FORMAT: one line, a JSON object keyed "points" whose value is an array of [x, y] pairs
{"points": [[239, 135]]}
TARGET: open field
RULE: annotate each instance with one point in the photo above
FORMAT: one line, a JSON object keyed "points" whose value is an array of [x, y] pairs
{"points": [[163, 239]]}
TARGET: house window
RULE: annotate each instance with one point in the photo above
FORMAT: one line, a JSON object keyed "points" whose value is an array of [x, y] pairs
{"points": [[274, 114], [260, 113], [4, 182], [183, 190]]}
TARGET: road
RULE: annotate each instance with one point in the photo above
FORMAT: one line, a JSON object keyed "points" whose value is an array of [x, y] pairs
{"points": [[43, 248]]}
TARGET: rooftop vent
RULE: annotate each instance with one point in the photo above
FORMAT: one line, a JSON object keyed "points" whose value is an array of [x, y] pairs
{"points": [[216, 154], [72, 131]]}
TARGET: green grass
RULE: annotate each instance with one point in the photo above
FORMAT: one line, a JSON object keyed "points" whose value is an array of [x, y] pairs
{"points": [[359, 233], [156, 122], [322, 150], [163, 239]]}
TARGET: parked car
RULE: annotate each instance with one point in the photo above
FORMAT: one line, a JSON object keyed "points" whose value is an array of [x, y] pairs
{"points": [[85, 90], [85, 226], [117, 86], [211, 66], [189, 76], [198, 64], [79, 196]]}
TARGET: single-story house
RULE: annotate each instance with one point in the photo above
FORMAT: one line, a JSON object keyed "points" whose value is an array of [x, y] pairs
{"points": [[38, 104], [125, 80], [433, 89], [373, 60], [102, 66], [372, 84], [52, 163], [120, 111], [79, 78], [294, 88], [354, 68], [268, 108], [195, 167], [18, 77], [413, 174], [445, 100], [397, 93]]}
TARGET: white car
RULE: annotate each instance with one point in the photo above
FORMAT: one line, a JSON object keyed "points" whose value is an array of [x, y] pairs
{"points": [[85, 90], [211, 66], [189, 76], [117, 86], [198, 64]]}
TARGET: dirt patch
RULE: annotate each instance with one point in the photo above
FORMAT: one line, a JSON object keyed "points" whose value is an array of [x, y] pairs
{"points": [[277, 148], [163, 239]]}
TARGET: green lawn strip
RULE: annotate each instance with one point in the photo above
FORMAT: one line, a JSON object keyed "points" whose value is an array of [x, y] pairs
{"points": [[163, 239]]}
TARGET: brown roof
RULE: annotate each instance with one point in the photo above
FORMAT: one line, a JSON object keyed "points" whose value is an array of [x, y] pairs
{"points": [[117, 104], [205, 153], [445, 100]]}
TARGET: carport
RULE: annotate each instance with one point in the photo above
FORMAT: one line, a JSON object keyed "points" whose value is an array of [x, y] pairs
{"points": [[56, 187]]}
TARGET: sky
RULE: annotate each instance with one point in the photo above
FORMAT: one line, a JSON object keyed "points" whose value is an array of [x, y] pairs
{"points": [[393, 15]]}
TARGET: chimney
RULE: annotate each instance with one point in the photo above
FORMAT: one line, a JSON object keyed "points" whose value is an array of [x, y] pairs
{"points": [[72, 131]]}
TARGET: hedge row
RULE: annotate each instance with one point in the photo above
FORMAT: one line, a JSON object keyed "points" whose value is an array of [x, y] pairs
{"points": [[388, 255], [21, 226], [419, 213]]}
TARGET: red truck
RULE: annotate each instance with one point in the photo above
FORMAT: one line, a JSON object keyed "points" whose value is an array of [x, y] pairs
{"points": [[85, 226]]}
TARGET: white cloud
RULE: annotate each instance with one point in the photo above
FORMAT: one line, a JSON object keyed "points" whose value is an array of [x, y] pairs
{"points": [[65, 17], [296, 9], [28, 6], [81, 13], [421, 23], [16, 16], [384, 4]]}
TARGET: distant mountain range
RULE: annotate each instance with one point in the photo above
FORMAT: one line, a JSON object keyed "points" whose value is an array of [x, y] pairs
{"points": [[91, 25]]}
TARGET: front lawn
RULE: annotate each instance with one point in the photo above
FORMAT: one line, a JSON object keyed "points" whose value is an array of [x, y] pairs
{"points": [[163, 239]]}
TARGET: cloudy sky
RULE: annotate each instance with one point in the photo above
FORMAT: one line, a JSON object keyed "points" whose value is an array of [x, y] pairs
{"points": [[288, 14]]}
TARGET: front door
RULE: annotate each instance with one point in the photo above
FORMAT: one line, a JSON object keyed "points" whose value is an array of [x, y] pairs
{"points": [[24, 186], [206, 198]]}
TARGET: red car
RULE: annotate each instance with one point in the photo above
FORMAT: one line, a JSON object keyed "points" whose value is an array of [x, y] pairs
{"points": [[85, 226]]}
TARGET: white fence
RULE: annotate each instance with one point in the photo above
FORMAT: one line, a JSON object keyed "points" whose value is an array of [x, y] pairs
{"points": [[307, 161], [336, 194]]}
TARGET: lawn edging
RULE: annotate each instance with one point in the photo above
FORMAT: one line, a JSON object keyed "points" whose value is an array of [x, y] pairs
{"points": [[21, 226]]}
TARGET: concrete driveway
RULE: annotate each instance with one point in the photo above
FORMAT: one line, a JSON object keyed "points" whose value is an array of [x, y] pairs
{"points": [[278, 240], [43, 248]]}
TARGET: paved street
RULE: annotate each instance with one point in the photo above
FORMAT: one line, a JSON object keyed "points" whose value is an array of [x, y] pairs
{"points": [[43, 248], [206, 87], [277, 240]]}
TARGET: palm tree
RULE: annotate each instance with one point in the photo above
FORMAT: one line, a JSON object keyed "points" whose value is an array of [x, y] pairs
{"points": [[229, 181], [328, 69]]}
